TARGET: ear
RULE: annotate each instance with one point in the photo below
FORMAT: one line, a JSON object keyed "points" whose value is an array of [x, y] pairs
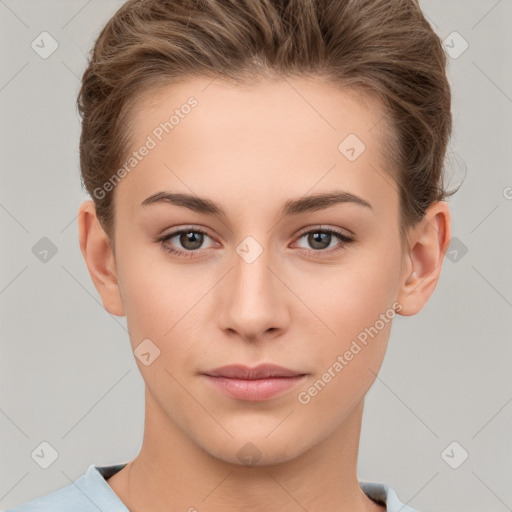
{"points": [[99, 257], [428, 243]]}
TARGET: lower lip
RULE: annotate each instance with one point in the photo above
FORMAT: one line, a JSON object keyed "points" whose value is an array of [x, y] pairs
{"points": [[254, 390]]}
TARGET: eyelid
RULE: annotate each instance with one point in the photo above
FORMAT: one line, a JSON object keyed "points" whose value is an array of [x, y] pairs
{"points": [[194, 227], [324, 227], [175, 230], [343, 239]]}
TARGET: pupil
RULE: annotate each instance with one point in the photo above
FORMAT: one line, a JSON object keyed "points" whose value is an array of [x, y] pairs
{"points": [[316, 238], [191, 240]]}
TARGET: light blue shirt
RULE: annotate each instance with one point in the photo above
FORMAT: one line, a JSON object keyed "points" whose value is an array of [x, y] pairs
{"points": [[91, 493]]}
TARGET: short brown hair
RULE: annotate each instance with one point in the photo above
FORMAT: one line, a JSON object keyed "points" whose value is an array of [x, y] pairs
{"points": [[381, 47]]}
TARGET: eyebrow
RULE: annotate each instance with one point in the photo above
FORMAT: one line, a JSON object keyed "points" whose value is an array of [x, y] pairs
{"points": [[305, 204]]}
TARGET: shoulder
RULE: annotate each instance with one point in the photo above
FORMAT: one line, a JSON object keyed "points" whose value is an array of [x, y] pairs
{"points": [[384, 495], [87, 494], [61, 500]]}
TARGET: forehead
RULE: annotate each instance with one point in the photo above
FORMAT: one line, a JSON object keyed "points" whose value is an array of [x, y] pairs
{"points": [[293, 134], [305, 106]]}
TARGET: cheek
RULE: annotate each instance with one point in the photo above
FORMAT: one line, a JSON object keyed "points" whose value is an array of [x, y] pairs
{"points": [[360, 313], [356, 304], [352, 296], [165, 303], [154, 293]]}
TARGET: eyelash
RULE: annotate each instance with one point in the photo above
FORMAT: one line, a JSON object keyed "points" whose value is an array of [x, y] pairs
{"points": [[190, 254]]}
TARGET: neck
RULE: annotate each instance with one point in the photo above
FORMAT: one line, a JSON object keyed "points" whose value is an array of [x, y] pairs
{"points": [[172, 472]]}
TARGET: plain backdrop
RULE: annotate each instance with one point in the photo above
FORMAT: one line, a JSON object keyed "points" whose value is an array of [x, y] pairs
{"points": [[67, 374]]}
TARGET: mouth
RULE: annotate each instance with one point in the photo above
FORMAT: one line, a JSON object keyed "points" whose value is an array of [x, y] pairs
{"points": [[256, 384], [262, 371]]}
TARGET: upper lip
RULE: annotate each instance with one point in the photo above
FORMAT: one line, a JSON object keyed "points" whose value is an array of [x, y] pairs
{"points": [[262, 371]]}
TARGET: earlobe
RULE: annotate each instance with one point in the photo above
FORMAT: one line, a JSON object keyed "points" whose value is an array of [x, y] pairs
{"points": [[428, 243], [99, 258]]}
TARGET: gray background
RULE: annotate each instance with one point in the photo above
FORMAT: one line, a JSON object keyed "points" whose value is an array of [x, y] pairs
{"points": [[68, 376]]}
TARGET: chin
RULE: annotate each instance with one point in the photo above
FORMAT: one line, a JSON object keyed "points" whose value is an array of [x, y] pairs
{"points": [[258, 449]]}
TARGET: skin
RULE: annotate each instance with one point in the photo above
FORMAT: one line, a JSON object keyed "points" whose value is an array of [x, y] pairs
{"points": [[250, 149]]}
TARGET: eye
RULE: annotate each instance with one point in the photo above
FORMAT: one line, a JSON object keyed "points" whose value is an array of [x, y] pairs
{"points": [[321, 239], [190, 239]]}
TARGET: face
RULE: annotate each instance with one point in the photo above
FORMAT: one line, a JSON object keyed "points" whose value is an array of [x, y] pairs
{"points": [[282, 247]]}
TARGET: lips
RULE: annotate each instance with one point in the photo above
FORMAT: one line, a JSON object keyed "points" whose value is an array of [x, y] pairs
{"points": [[263, 371], [257, 384]]}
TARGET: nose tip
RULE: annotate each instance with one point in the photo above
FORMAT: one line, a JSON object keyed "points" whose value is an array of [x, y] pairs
{"points": [[252, 304]]}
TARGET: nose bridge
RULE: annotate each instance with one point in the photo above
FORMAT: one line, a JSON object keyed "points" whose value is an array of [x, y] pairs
{"points": [[252, 302], [252, 278]]}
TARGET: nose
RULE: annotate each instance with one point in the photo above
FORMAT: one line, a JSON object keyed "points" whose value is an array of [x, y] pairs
{"points": [[253, 300]]}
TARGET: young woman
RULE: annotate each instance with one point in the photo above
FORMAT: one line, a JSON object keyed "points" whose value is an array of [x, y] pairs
{"points": [[267, 195]]}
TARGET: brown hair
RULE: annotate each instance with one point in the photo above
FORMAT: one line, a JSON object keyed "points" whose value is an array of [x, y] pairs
{"points": [[381, 47]]}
